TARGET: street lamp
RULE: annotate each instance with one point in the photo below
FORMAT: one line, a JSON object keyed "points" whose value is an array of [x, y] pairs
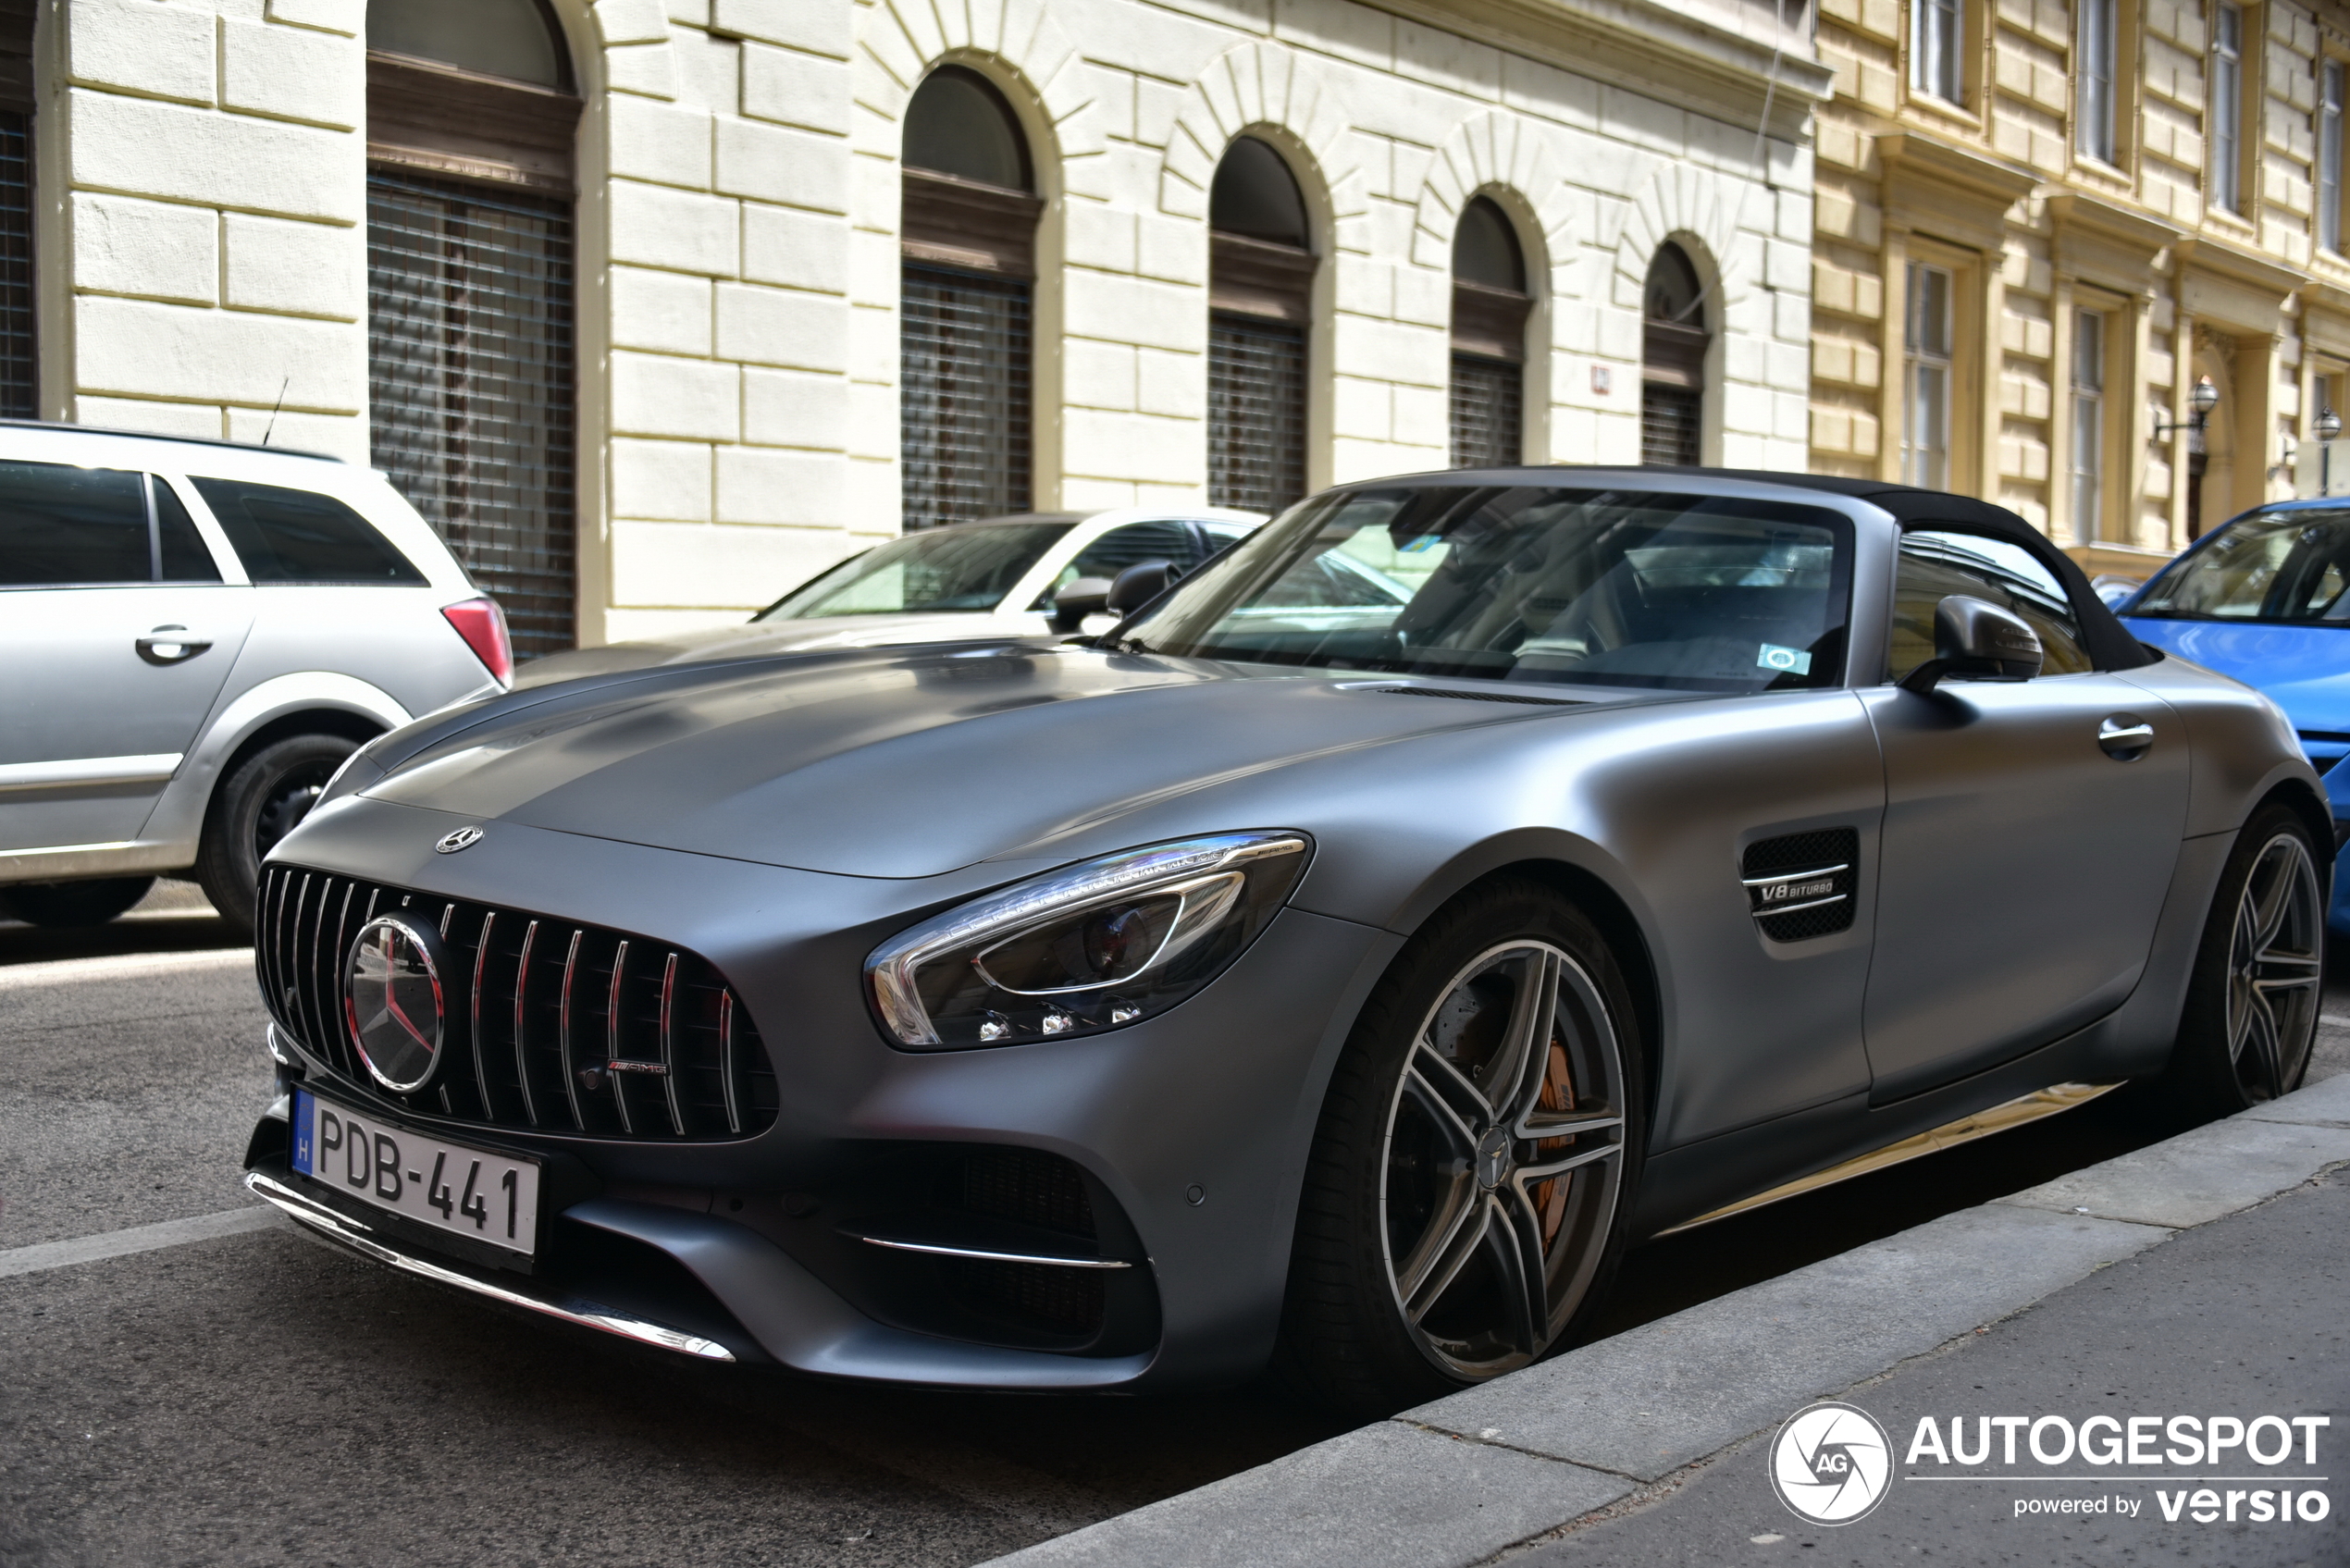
{"points": [[2201, 400], [2329, 426]]}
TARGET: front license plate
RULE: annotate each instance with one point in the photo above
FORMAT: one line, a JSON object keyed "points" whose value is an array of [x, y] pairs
{"points": [[469, 1193]]}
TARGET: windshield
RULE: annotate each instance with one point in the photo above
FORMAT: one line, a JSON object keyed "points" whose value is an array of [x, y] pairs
{"points": [[1604, 586], [949, 569], [2273, 567]]}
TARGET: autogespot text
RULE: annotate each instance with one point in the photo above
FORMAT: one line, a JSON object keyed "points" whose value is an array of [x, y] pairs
{"points": [[2200, 1469]]}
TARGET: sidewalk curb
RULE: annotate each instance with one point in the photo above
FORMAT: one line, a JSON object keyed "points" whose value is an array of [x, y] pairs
{"points": [[1454, 1482]]}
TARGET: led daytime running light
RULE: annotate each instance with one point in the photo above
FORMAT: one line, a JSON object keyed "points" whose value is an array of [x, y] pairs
{"points": [[1175, 868]]}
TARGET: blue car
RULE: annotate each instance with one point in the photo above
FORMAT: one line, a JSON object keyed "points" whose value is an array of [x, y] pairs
{"points": [[2263, 599]]}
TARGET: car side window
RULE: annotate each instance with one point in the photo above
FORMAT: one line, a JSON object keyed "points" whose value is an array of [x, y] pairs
{"points": [[61, 525], [290, 536], [1129, 545], [180, 553], [1936, 562]]}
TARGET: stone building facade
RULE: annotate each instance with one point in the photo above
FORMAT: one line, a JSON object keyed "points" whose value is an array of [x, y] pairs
{"points": [[2040, 225], [647, 307]]}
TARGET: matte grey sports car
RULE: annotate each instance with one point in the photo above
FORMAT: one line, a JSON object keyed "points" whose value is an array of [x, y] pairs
{"points": [[1290, 971]]}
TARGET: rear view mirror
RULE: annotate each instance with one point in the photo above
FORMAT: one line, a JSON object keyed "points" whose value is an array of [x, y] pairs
{"points": [[1975, 637], [1079, 598], [1140, 583]]}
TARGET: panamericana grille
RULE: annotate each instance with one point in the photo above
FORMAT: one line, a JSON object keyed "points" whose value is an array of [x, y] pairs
{"points": [[546, 1024]]}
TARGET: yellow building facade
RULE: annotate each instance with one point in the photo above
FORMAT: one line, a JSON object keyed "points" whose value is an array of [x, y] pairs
{"points": [[2039, 226]]}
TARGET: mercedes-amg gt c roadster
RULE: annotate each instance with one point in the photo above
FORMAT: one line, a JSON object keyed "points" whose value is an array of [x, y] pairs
{"points": [[1296, 973]]}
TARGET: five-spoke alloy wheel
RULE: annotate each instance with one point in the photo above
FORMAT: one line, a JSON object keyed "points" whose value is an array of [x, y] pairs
{"points": [[1476, 1156], [1504, 1159], [2251, 1016], [2276, 964]]}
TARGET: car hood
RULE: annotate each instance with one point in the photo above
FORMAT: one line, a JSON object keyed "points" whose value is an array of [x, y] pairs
{"points": [[757, 639], [2304, 670], [905, 763]]}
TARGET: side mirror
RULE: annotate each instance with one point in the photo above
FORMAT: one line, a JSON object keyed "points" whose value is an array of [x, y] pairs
{"points": [[1974, 636], [1079, 598], [1140, 583]]}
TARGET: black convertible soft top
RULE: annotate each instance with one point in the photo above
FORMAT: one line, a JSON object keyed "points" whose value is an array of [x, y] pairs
{"points": [[2109, 643]]}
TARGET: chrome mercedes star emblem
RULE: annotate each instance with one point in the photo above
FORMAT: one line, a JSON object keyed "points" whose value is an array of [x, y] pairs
{"points": [[391, 998], [1492, 1157], [463, 838]]}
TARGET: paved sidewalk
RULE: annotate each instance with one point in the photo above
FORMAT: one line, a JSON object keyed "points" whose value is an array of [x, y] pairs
{"points": [[2244, 1317], [1646, 1448]]}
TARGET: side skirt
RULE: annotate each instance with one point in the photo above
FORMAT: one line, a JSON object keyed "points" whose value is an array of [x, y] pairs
{"points": [[2018, 1112]]}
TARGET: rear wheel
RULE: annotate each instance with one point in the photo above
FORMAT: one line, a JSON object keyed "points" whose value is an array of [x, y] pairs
{"points": [[1464, 1210], [264, 799], [2252, 1006], [73, 903]]}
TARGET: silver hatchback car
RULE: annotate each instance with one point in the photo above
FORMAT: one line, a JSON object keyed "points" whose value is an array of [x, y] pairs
{"points": [[195, 635]]}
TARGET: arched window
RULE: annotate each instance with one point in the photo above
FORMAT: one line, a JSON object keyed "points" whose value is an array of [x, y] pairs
{"points": [[1673, 345], [470, 278], [1489, 303], [968, 232], [1260, 300]]}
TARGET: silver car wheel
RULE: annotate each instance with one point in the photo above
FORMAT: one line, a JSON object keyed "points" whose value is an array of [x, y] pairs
{"points": [[2275, 970], [1503, 1160]]}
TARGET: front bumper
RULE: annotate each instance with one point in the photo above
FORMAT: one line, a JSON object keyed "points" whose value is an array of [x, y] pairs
{"points": [[367, 1242], [1190, 1129]]}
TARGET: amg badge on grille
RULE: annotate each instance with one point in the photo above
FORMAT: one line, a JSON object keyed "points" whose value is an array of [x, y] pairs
{"points": [[463, 838], [391, 998]]}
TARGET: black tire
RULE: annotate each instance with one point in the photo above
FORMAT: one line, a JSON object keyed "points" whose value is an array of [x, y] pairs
{"points": [[2253, 1000], [263, 799], [1484, 1248], [73, 903]]}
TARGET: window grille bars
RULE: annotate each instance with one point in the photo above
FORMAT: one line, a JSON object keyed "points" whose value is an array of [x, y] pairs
{"points": [[470, 364]]}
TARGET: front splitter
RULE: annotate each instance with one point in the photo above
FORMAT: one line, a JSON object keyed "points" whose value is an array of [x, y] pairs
{"points": [[369, 1243]]}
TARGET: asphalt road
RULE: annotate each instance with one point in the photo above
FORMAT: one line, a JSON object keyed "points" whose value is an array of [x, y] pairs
{"points": [[259, 1398]]}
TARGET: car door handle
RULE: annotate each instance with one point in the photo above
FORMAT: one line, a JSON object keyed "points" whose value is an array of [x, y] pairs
{"points": [[2125, 737], [169, 644]]}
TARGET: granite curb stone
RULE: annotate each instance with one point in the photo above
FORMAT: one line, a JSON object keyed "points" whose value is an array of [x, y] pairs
{"points": [[2321, 1104], [2196, 1177], [1663, 1395], [1388, 1494], [1446, 1483]]}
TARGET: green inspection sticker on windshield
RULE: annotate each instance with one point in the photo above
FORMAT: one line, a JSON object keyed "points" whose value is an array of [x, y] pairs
{"points": [[1794, 661]]}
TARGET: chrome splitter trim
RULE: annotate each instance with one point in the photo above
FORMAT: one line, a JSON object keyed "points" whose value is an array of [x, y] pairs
{"points": [[590, 1315]]}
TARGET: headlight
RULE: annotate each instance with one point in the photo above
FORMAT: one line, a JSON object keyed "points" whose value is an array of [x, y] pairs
{"points": [[1089, 947]]}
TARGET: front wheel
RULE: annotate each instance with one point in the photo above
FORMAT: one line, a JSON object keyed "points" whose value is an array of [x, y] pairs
{"points": [[262, 800], [2251, 1016], [1464, 1210]]}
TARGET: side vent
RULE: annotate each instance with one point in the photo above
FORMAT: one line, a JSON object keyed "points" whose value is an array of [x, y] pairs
{"points": [[1800, 886]]}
